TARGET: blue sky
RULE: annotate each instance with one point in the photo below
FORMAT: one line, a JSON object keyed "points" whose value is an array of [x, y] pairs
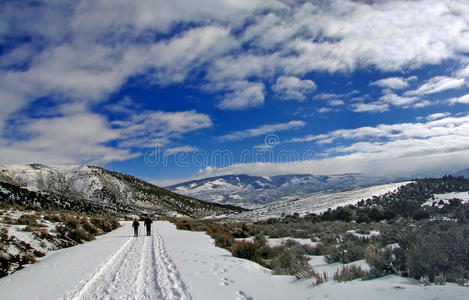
{"points": [[172, 90]]}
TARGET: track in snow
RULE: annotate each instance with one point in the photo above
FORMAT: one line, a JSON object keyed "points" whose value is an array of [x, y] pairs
{"points": [[140, 269]]}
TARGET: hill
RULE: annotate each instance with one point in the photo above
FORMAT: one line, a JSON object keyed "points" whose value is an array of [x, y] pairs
{"points": [[94, 189]]}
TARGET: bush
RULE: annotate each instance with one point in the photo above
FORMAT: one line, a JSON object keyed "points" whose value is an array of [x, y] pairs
{"points": [[246, 250], [87, 226], [290, 262], [106, 224], [71, 222], [221, 235], [348, 249], [384, 261], [183, 225], [29, 220], [347, 273], [79, 235]]}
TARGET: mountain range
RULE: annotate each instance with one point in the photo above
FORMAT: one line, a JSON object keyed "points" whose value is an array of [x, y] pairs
{"points": [[92, 188], [255, 191]]}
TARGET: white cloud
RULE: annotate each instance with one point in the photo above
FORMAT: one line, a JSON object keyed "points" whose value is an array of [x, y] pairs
{"points": [[463, 72], [437, 116], [293, 88], [463, 100], [242, 95], [394, 83], [437, 125], [67, 139], [158, 128], [75, 135], [408, 149], [397, 100], [327, 96], [371, 107], [437, 84], [262, 130], [336, 102]]}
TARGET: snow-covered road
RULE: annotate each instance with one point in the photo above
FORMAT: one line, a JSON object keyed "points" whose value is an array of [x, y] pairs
{"points": [[140, 269], [175, 264]]}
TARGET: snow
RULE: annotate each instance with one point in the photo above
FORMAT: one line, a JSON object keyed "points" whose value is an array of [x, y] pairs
{"points": [[364, 236], [320, 266], [464, 196], [175, 264], [274, 242]]}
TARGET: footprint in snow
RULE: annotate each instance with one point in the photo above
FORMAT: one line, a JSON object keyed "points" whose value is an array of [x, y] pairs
{"points": [[226, 282], [243, 296]]}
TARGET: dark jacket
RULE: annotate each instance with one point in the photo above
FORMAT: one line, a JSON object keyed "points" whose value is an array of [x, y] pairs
{"points": [[135, 224], [148, 222]]}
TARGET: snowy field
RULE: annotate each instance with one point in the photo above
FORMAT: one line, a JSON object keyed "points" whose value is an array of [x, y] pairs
{"points": [[316, 202], [464, 196], [175, 264]]}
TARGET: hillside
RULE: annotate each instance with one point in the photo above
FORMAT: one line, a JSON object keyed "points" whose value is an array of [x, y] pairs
{"points": [[255, 191], [94, 189]]}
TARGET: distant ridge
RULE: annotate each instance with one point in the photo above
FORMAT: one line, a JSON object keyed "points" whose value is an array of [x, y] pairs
{"points": [[254, 191], [464, 173]]}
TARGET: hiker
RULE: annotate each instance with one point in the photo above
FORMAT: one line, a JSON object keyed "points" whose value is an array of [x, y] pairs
{"points": [[135, 225], [147, 223]]}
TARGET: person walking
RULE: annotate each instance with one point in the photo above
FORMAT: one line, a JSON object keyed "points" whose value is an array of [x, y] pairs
{"points": [[135, 225], [147, 223]]}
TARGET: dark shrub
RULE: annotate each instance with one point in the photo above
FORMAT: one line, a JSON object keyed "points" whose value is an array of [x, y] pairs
{"points": [[246, 250], [29, 220], [290, 262], [347, 273]]}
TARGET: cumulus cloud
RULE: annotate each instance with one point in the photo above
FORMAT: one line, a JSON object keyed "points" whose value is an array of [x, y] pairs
{"points": [[262, 130], [158, 128], [242, 94], [393, 83], [293, 88], [402, 149], [76, 135], [463, 100], [371, 107], [397, 100], [335, 102], [437, 84], [67, 139]]}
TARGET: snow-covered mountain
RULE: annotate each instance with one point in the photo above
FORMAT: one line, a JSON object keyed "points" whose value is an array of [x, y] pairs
{"points": [[464, 173], [97, 188], [255, 191]]}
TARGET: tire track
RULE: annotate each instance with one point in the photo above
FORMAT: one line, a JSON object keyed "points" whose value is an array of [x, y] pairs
{"points": [[139, 269], [85, 288], [168, 278], [147, 287]]}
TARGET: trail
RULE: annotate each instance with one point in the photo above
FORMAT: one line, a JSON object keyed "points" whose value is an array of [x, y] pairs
{"points": [[139, 269]]}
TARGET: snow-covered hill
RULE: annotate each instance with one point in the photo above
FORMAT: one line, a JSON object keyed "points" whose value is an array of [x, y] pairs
{"points": [[95, 185], [255, 191], [316, 202]]}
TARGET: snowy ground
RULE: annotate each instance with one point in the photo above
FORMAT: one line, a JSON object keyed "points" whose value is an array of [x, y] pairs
{"points": [[176, 264], [464, 196]]}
